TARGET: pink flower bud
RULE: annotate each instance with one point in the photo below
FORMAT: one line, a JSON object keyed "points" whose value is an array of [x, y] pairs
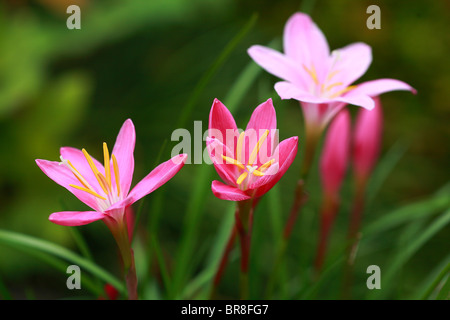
{"points": [[333, 162], [367, 139]]}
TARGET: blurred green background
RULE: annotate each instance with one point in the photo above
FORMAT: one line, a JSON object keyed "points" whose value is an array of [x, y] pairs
{"points": [[161, 63]]}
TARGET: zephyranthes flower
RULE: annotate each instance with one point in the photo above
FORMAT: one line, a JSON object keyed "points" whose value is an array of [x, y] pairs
{"points": [[250, 162], [105, 187], [321, 80]]}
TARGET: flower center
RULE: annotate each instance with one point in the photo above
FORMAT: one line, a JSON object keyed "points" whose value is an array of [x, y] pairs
{"points": [[249, 168], [324, 89], [104, 181]]}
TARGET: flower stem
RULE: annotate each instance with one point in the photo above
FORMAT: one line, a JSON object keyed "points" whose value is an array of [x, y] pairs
{"points": [[244, 223], [223, 262], [353, 235], [328, 215], [312, 138], [120, 233]]}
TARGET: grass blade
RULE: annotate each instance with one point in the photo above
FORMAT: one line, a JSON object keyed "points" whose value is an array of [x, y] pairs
{"points": [[18, 240], [435, 279], [402, 257], [213, 260], [4, 292], [201, 85], [416, 210], [384, 169]]}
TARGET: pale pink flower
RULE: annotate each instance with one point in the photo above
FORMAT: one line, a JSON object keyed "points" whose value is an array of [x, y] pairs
{"points": [[320, 80], [105, 188], [251, 162]]}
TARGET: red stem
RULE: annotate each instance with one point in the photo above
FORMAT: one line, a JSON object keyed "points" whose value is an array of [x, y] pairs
{"points": [[353, 235], [299, 200], [328, 215], [224, 260]]}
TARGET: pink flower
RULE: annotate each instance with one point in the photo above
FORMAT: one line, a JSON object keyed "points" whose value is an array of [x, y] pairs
{"points": [[367, 139], [251, 162], [321, 80], [105, 188], [335, 154]]}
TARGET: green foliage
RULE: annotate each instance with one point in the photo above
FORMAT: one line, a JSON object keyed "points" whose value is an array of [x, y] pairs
{"points": [[162, 63]]}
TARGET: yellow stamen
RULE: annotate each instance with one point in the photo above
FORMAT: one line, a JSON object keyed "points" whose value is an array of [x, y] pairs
{"points": [[93, 168], [88, 191], [332, 74], [333, 85], [257, 147], [104, 183], [116, 173], [339, 93], [239, 146], [78, 175], [312, 73], [258, 173], [242, 177], [107, 165], [229, 160], [266, 165]]}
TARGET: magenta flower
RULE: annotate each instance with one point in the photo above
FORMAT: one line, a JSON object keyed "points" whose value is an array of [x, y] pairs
{"points": [[321, 80], [105, 188], [251, 162], [335, 154], [367, 140]]}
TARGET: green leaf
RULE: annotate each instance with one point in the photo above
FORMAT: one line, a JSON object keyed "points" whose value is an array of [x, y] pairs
{"points": [[421, 209], [406, 252], [201, 85], [161, 264], [203, 280], [433, 280], [4, 292], [444, 294], [384, 169], [18, 240], [86, 283]]}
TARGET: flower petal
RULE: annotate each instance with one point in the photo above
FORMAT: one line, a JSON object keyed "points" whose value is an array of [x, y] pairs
{"points": [[225, 170], [75, 218], [263, 117], [123, 151], [278, 64], [64, 177], [350, 63], [376, 87], [305, 43], [286, 152], [77, 158], [287, 90], [360, 100], [159, 176], [221, 123], [225, 192]]}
